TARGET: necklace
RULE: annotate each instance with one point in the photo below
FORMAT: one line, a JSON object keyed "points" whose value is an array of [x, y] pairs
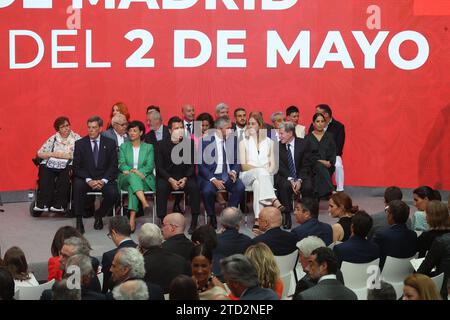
{"points": [[206, 286]]}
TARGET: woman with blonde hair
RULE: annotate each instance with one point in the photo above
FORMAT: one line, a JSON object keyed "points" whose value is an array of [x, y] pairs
{"points": [[266, 266], [257, 157], [420, 287]]}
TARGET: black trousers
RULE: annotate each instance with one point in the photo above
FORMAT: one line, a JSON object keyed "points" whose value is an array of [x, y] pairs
{"points": [[284, 191], [110, 194], [53, 189], [163, 190]]}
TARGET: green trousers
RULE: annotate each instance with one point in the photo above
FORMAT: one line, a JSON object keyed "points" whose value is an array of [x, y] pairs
{"points": [[132, 183]]}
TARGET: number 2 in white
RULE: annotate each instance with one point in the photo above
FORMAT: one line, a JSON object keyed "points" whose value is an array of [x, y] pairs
{"points": [[137, 60]]}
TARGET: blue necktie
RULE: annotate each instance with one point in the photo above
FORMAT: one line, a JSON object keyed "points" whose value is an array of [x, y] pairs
{"points": [[95, 152], [291, 164], [224, 162]]}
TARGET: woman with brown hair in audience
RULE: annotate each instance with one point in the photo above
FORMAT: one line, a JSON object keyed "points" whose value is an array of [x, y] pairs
{"points": [[183, 288], [118, 107], [420, 287], [341, 206], [16, 263], [422, 195], [438, 219]]}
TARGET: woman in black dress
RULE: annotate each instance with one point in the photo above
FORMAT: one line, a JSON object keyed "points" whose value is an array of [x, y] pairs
{"points": [[323, 156], [341, 206]]}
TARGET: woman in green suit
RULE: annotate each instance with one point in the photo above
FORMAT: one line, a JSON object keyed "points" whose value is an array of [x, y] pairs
{"points": [[136, 164]]}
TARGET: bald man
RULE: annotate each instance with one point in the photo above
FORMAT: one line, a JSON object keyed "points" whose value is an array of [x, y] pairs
{"points": [[188, 112], [173, 232], [279, 241]]}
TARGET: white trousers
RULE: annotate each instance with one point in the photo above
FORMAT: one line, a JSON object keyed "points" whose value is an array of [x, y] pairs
{"points": [[339, 174], [261, 183]]}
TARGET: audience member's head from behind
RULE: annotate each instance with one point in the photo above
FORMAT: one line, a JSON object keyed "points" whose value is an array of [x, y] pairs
{"points": [[239, 273], [384, 292], [437, 215], [173, 224], [205, 235], [61, 235], [7, 286], [420, 287], [269, 218], [306, 209], [340, 204], [422, 195], [392, 193], [15, 261], [322, 262], [265, 264], [71, 247], [131, 290], [61, 291], [231, 218], [83, 264], [183, 287], [361, 224], [397, 212], [128, 263], [305, 248], [150, 235], [119, 229]]}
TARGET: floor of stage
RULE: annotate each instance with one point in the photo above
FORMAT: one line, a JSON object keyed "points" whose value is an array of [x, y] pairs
{"points": [[34, 235]]}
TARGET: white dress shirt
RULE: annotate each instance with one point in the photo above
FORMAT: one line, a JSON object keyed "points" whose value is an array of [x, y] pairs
{"points": [[92, 146], [136, 157], [120, 139]]}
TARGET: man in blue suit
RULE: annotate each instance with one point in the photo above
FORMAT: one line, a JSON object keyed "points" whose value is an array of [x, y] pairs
{"points": [[307, 215], [357, 249], [219, 168], [397, 241]]}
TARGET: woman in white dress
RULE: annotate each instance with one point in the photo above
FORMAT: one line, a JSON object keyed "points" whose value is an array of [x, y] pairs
{"points": [[16, 263], [257, 157]]}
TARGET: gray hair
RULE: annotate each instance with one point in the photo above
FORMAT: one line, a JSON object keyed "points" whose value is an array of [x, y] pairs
{"points": [[288, 126], [61, 291], [221, 121], [156, 115], [220, 107], [81, 245], [131, 290], [118, 117], [231, 217], [309, 244], [150, 236], [83, 262], [96, 119], [133, 260], [275, 114], [239, 268]]}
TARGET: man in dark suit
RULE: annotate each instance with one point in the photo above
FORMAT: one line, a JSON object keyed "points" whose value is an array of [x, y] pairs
{"points": [[357, 249], [189, 127], [294, 171], [242, 279], [219, 168], [307, 215], [338, 131], [175, 170], [230, 241], [279, 241], [118, 132], [240, 124], [128, 264], [397, 241], [95, 169], [158, 132], [173, 232], [161, 266], [323, 265], [119, 233]]}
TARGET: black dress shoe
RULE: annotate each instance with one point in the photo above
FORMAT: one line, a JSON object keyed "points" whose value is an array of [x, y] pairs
{"points": [[98, 224], [213, 221], [80, 226], [194, 223], [287, 221], [177, 208]]}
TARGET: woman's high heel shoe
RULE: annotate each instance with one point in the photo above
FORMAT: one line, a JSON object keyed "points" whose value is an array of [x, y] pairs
{"points": [[277, 204]]}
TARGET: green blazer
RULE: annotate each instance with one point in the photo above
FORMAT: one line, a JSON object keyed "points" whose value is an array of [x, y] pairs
{"points": [[146, 162]]}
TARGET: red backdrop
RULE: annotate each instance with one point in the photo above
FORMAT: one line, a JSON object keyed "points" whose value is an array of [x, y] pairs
{"points": [[396, 120]]}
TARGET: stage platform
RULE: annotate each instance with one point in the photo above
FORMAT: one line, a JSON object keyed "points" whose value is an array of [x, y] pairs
{"points": [[34, 235]]}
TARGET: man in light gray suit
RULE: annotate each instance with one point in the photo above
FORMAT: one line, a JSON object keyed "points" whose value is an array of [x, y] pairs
{"points": [[323, 265], [118, 132]]}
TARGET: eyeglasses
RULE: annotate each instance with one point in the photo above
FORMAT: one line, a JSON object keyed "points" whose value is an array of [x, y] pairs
{"points": [[122, 124], [109, 235]]}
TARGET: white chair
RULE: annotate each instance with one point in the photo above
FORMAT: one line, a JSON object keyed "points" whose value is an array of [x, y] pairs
{"points": [[146, 193], [166, 296], [395, 270], [16, 293], [438, 280], [287, 265], [357, 275], [34, 293]]}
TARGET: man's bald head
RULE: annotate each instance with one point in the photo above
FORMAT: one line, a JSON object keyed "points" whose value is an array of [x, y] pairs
{"points": [[173, 224], [188, 112], [270, 218]]}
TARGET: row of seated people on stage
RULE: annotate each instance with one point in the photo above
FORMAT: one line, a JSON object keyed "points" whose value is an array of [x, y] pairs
{"points": [[248, 156], [167, 262]]}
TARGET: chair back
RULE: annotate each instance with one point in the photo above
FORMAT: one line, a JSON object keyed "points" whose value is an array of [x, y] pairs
{"points": [[356, 275], [287, 265], [438, 280], [34, 293]]}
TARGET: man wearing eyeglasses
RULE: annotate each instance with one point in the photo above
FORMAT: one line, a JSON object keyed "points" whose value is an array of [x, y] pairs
{"points": [[173, 232], [118, 132]]}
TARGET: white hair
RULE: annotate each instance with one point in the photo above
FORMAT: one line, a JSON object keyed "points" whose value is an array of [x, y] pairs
{"points": [[275, 114], [81, 245], [133, 259], [220, 107], [131, 290], [150, 236], [309, 244], [118, 117], [83, 262]]}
